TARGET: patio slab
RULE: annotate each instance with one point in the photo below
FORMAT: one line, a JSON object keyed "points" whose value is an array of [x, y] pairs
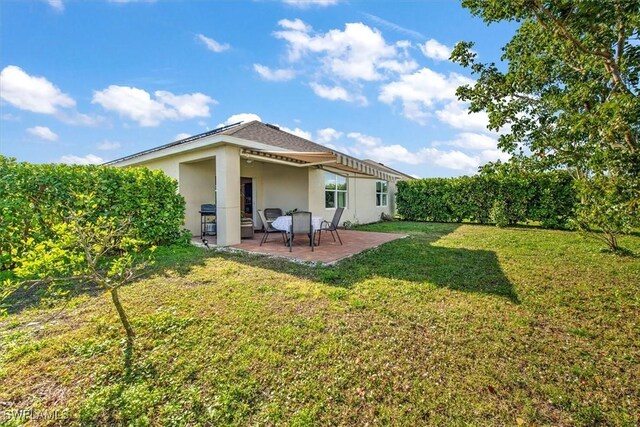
{"points": [[329, 252]]}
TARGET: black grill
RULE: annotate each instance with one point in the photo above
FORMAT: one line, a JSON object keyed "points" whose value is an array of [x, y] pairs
{"points": [[207, 219], [208, 209]]}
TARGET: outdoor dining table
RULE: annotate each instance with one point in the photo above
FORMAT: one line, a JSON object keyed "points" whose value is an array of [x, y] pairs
{"points": [[284, 223]]}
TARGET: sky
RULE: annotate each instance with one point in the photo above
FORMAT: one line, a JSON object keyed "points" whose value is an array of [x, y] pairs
{"points": [[91, 81]]}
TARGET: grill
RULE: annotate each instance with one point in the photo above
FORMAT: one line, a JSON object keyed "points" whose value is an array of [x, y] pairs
{"points": [[207, 209], [207, 223]]}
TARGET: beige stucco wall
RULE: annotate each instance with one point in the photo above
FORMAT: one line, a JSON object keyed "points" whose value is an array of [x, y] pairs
{"points": [[276, 186], [361, 198], [196, 182], [170, 165], [195, 172]]}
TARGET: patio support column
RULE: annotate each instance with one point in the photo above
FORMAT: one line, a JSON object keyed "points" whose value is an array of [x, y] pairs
{"points": [[228, 195]]}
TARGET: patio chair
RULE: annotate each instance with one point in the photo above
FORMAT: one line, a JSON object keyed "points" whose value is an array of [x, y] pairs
{"points": [[267, 229], [272, 213], [301, 223], [331, 226]]}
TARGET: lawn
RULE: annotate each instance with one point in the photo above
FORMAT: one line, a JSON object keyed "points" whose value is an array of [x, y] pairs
{"points": [[454, 325]]}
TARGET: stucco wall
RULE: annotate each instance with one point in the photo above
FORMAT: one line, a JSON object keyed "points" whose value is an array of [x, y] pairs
{"points": [[169, 165], [277, 186], [196, 184], [361, 198]]}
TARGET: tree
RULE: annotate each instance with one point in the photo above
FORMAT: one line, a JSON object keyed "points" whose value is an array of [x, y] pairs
{"points": [[569, 93], [103, 252]]}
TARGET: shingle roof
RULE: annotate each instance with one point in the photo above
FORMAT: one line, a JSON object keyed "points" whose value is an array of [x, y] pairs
{"points": [[272, 135]]}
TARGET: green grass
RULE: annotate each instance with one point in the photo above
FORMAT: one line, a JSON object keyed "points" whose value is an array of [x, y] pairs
{"points": [[454, 325]]}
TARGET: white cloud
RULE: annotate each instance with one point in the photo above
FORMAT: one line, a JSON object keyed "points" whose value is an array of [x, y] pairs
{"points": [[367, 146], [56, 4], [182, 135], [394, 153], [459, 161], [76, 118], [138, 105], [493, 155], [418, 92], [89, 159], [307, 3], [279, 75], [371, 147], [186, 106], [35, 94], [456, 160], [433, 49], [472, 141], [108, 145], [43, 132], [295, 25], [359, 52], [213, 45], [456, 115], [337, 93], [297, 132], [241, 117], [366, 140], [327, 135]]}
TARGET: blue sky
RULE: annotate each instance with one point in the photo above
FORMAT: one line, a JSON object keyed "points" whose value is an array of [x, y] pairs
{"points": [[91, 81]]}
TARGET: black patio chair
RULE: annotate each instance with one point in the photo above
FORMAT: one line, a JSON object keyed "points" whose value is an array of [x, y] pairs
{"points": [[272, 213], [301, 224], [267, 229], [331, 226]]}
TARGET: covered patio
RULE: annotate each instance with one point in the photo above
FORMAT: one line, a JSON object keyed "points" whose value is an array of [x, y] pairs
{"points": [[329, 252]]}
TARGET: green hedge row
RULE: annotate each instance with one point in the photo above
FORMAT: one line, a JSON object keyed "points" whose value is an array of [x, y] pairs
{"points": [[548, 198], [34, 198]]}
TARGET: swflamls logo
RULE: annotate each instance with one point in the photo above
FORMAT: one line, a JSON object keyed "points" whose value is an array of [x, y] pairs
{"points": [[33, 414]]}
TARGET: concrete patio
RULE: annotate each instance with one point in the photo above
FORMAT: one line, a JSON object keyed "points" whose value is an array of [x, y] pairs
{"points": [[328, 252]]}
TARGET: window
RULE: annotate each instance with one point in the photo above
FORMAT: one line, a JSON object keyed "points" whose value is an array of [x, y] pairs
{"points": [[382, 190], [335, 191]]}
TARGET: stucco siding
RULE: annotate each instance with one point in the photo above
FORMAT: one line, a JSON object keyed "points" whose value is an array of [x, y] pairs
{"points": [[196, 182], [277, 186], [361, 199]]}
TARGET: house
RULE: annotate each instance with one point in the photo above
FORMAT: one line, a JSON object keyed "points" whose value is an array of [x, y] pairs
{"points": [[249, 166]]}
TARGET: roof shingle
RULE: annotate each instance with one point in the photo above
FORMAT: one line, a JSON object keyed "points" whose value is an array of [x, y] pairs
{"points": [[271, 135]]}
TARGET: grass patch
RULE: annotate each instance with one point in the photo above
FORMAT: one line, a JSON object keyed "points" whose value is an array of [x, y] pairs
{"points": [[454, 325]]}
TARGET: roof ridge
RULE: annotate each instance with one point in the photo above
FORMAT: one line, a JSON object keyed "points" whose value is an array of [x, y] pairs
{"points": [[242, 125]]}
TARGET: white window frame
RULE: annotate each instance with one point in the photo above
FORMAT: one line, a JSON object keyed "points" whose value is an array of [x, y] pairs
{"points": [[382, 195], [336, 190]]}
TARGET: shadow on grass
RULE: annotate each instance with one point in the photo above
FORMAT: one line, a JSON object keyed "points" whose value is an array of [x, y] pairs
{"points": [[179, 259], [414, 259]]}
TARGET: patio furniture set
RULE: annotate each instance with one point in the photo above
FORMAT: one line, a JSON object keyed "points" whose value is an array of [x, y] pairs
{"points": [[297, 223]]}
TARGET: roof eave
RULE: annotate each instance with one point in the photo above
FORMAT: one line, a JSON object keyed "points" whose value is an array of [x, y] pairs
{"points": [[143, 157]]}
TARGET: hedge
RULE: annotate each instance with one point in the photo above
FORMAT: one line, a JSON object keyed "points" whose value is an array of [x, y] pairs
{"points": [[34, 198], [547, 198]]}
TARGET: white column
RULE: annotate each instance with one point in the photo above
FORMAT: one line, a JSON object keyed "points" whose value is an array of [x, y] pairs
{"points": [[228, 196]]}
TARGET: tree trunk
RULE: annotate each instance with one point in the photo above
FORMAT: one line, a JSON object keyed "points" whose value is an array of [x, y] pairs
{"points": [[122, 314]]}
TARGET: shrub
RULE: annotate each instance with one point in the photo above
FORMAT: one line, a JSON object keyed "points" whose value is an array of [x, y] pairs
{"points": [[34, 199], [494, 196], [609, 208]]}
